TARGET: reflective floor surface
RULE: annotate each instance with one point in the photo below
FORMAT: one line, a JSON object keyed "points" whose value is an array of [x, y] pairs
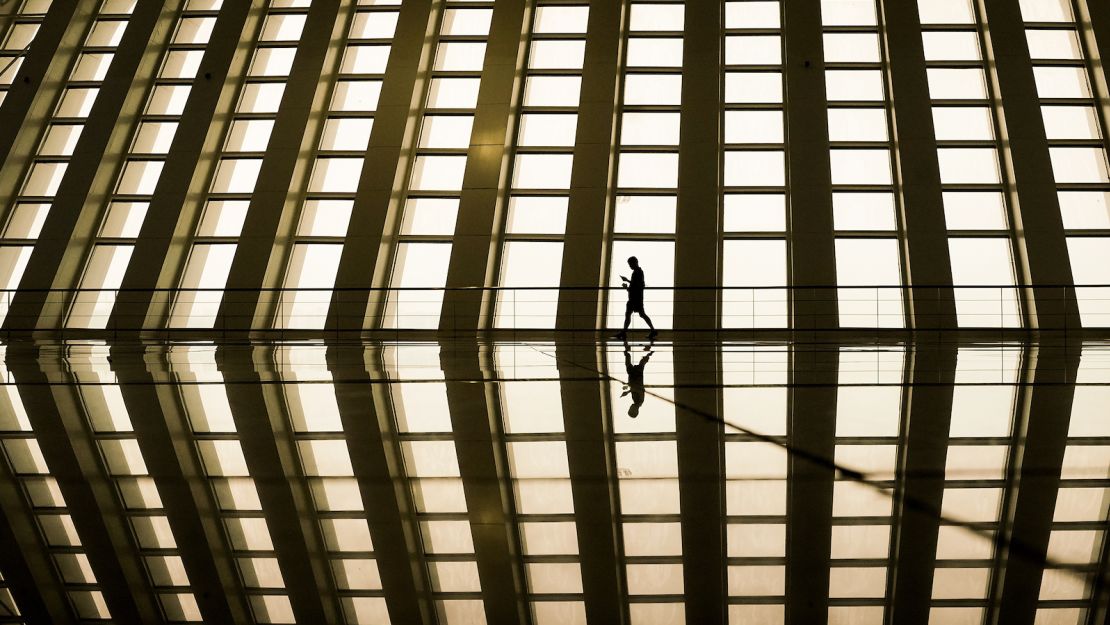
{"points": [[463, 482]]}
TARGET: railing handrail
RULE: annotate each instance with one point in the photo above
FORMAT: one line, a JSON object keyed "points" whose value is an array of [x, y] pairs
{"points": [[791, 287]]}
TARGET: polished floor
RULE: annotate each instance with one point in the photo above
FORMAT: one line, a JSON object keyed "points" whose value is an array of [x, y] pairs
{"points": [[457, 482]]}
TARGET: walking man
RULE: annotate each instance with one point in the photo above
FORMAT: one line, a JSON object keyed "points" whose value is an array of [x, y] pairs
{"points": [[635, 288]]}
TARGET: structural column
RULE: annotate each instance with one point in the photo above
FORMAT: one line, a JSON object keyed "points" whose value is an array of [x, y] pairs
{"points": [[255, 265], [917, 501], [483, 468], [699, 430], [1041, 439], [808, 169], [482, 201], [810, 473], [165, 439], [928, 265], [1042, 251], [286, 501], [376, 459], [90, 497], [1093, 17], [593, 483], [163, 242], [58, 256], [590, 205]]}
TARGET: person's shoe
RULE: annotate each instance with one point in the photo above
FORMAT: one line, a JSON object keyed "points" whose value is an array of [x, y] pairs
{"points": [[653, 334], [621, 335]]}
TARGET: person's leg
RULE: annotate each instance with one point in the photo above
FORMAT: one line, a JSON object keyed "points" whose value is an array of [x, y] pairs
{"points": [[643, 315], [627, 316]]}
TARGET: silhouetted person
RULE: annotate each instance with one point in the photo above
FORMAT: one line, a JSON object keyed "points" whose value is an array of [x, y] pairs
{"points": [[635, 288], [635, 379]]}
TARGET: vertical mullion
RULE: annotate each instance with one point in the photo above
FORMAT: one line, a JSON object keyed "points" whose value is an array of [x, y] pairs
{"points": [[811, 432], [918, 170], [918, 501], [484, 476], [481, 200], [376, 212], [595, 504], [251, 268], [1041, 442], [812, 268], [378, 467], [1042, 249], [286, 501], [698, 220], [156, 259], [590, 204]]}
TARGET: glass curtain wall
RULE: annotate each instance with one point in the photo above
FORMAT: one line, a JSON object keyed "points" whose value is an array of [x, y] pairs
{"points": [[1077, 542], [646, 199], [756, 401], [142, 166], [204, 398], [976, 210], [325, 462], [325, 210], [979, 460], [62, 129], [16, 38], [754, 201], [237, 164], [867, 245], [418, 397], [423, 249], [1075, 129], [536, 444], [26, 465], [645, 451], [124, 464], [537, 211]]}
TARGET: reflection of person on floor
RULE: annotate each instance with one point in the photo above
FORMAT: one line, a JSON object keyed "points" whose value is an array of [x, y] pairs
{"points": [[635, 288], [635, 385]]}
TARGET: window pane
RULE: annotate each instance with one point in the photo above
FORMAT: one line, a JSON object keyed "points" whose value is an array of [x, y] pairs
{"points": [[649, 129], [969, 166], [552, 90], [754, 213], [547, 54], [547, 130], [854, 85], [529, 264], [755, 169], [636, 214], [861, 167], [753, 127], [753, 88], [660, 89], [754, 264], [959, 123], [446, 131], [438, 173], [1079, 165], [542, 171], [647, 171], [537, 215], [654, 52]]}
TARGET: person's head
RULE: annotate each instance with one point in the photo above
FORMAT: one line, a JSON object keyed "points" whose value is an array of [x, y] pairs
{"points": [[634, 411], [633, 262]]}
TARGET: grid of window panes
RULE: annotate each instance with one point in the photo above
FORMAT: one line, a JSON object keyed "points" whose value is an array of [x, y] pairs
{"points": [[124, 464], [754, 201], [869, 408], [984, 401], [1074, 126], [537, 211], [536, 444], [337, 168], [423, 417], [865, 219], [645, 451], [325, 461], [26, 463], [237, 165], [15, 40], [204, 398], [646, 199], [60, 135], [756, 399], [1080, 517], [975, 206], [9, 611], [142, 166], [435, 183]]}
